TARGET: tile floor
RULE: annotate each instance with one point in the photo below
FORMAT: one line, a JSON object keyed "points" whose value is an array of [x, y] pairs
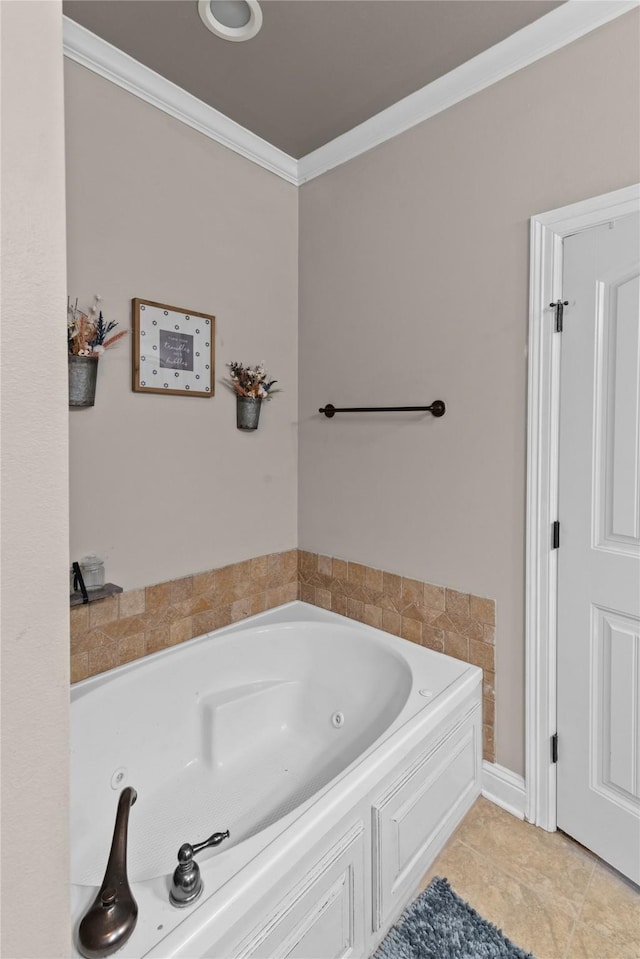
{"points": [[548, 894]]}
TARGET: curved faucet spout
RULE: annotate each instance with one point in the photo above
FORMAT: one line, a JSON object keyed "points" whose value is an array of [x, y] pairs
{"points": [[113, 914]]}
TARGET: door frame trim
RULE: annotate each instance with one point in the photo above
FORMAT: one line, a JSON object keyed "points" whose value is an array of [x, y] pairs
{"points": [[548, 231]]}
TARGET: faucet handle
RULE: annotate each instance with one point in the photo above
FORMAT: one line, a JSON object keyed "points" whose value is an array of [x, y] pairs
{"points": [[187, 883], [213, 840]]}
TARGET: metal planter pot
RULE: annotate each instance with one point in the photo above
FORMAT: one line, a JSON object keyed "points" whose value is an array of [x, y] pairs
{"points": [[248, 412], [83, 375]]}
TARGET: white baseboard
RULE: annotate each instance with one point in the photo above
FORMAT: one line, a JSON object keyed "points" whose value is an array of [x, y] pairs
{"points": [[504, 788]]}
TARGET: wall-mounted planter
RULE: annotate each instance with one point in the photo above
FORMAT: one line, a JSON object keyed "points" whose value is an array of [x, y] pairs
{"points": [[83, 375], [248, 412]]}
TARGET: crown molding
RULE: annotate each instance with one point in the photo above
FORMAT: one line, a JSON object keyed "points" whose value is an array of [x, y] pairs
{"points": [[556, 29], [91, 51]]}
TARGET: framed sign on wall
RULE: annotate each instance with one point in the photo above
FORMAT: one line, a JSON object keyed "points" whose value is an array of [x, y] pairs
{"points": [[173, 350]]}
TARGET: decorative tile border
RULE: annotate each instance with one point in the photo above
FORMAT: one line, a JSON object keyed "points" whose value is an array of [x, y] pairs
{"points": [[459, 624], [122, 628]]}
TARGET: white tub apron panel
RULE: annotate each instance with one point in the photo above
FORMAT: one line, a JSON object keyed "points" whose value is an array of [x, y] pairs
{"points": [[311, 739]]}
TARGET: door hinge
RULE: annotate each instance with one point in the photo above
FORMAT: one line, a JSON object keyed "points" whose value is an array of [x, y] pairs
{"points": [[559, 306], [554, 748], [555, 535]]}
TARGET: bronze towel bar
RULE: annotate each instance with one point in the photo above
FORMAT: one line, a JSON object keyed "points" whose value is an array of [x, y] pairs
{"points": [[437, 408]]}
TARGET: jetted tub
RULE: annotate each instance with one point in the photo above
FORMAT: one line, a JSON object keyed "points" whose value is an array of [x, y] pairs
{"points": [[339, 758]]}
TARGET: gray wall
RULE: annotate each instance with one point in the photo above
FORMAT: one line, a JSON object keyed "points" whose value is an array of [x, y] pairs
{"points": [[414, 286], [165, 486], [35, 605]]}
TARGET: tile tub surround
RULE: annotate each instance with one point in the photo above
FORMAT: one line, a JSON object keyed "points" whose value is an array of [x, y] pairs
{"points": [[116, 630], [459, 624]]}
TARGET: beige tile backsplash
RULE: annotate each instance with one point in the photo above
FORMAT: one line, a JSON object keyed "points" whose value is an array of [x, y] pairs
{"points": [[121, 628], [446, 620], [125, 627]]}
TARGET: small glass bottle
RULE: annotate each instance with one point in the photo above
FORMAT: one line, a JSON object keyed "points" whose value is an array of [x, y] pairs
{"points": [[92, 568]]}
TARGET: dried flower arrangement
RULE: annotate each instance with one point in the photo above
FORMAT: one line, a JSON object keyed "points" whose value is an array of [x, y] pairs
{"points": [[250, 381], [88, 333]]}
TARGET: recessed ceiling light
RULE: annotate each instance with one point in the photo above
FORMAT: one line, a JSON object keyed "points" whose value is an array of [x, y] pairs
{"points": [[231, 19]]}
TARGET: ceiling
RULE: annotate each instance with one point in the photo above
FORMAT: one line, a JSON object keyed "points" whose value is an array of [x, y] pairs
{"points": [[318, 67]]}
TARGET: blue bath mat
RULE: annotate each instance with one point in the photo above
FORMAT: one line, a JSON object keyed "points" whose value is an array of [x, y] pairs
{"points": [[440, 925]]}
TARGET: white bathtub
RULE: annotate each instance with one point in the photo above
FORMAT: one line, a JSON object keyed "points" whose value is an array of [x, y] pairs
{"points": [[339, 758]]}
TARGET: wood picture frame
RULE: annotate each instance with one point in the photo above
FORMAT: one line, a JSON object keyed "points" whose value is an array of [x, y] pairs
{"points": [[173, 349]]}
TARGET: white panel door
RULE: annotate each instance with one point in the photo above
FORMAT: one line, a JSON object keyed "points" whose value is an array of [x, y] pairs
{"points": [[599, 553]]}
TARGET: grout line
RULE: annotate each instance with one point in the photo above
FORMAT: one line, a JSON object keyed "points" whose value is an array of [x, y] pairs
{"points": [[483, 908], [505, 873], [499, 866], [504, 867], [512, 872], [580, 911]]}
